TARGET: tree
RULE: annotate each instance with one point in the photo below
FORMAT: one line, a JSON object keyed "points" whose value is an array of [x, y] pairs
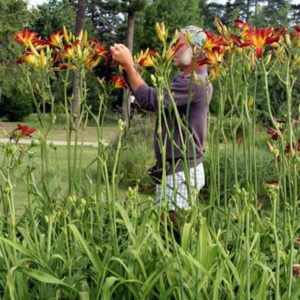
{"points": [[275, 13], [14, 16], [295, 14], [52, 16], [130, 7], [175, 14]]}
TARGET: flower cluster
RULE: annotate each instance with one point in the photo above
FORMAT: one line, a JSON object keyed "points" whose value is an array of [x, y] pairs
{"points": [[246, 40], [219, 48], [62, 50]]}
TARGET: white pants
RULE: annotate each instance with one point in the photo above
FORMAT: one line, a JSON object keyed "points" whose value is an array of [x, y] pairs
{"points": [[178, 195]]}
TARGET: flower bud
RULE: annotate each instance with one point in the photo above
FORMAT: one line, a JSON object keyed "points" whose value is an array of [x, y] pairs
{"points": [[82, 202], [153, 79], [287, 39], [268, 58], [161, 32], [66, 35], [121, 125]]}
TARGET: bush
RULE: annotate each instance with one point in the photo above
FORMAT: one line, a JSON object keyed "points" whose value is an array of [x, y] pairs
{"points": [[16, 108], [137, 155]]}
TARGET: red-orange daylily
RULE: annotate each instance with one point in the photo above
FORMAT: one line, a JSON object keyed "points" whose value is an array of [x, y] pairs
{"points": [[22, 131], [172, 50], [69, 51], [297, 33], [231, 40], [56, 39], [91, 61], [244, 26], [214, 58], [26, 37], [261, 37], [212, 41], [145, 58], [118, 82], [238, 42], [99, 48]]}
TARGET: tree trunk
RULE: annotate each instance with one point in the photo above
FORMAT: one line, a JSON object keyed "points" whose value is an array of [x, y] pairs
{"points": [[248, 10], [80, 19], [255, 11], [92, 8], [126, 95]]}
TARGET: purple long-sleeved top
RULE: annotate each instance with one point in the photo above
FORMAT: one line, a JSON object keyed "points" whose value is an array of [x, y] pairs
{"points": [[195, 118]]}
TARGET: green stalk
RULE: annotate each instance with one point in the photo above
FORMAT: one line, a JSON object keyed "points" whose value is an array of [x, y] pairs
{"points": [[277, 276]]}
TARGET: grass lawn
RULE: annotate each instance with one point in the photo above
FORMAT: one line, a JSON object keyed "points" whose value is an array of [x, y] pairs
{"points": [[58, 132], [58, 169]]}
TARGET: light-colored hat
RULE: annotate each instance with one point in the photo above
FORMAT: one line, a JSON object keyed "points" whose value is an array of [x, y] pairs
{"points": [[198, 36]]}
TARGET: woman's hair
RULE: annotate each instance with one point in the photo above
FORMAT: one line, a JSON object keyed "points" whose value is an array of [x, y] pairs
{"points": [[197, 35]]}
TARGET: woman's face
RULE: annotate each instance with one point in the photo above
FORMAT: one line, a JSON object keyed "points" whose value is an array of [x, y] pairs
{"points": [[184, 54]]}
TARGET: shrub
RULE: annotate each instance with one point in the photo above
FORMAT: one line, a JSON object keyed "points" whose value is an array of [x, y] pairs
{"points": [[17, 107], [137, 154]]}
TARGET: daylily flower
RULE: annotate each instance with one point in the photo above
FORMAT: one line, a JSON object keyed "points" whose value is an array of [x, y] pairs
{"points": [[145, 58], [243, 25], [92, 61], [213, 41], [272, 182], [28, 58], [118, 82], [212, 57], [26, 37], [40, 42], [259, 38], [288, 148], [271, 185], [292, 147], [55, 57], [99, 48], [21, 131], [296, 270], [238, 42], [172, 50], [69, 51], [262, 37], [274, 133], [56, 39], [297, 241], [297, 33]]}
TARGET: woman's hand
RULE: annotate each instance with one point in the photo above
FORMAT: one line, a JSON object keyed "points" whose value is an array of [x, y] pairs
{"points": [[122, 55]]}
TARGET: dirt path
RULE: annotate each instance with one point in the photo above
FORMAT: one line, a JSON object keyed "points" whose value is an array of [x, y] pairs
{"points": [[56, 143]]}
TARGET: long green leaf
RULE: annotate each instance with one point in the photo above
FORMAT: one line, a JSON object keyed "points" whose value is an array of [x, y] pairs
{"points": [[85, 246]]}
